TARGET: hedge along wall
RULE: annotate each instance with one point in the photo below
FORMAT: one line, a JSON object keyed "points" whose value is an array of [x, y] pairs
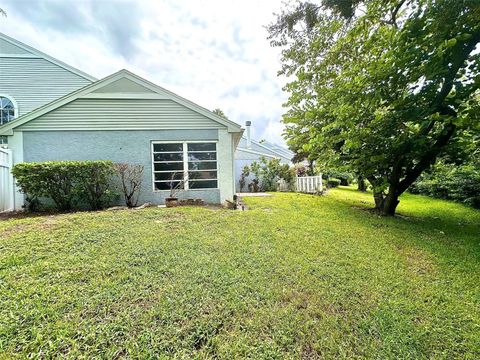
{"points": [[67, 183]]}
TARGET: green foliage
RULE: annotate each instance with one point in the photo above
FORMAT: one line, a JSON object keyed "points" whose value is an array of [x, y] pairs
{"points": [[333, 183], [458, 183], [220, 112], [243, 177], [296, 276], [345, 178], [67, 183], [382, 89], [269, 172]]}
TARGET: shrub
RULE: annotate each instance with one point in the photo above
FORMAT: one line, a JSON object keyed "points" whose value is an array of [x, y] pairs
{"points": [[243, 177], [67, 183], [345, 178], [451, 182], [267, 173], [131, 177], [96, 183], [333, 183]]}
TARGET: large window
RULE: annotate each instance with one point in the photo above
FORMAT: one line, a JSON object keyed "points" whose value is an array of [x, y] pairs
{"points": [[190, 165]]}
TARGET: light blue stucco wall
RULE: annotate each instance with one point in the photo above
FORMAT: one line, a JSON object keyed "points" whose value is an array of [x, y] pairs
{"points": [[118, 146], [244, 158]]}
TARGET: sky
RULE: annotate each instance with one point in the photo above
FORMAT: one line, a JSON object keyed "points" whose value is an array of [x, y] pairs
{"points": [[214, 53]]}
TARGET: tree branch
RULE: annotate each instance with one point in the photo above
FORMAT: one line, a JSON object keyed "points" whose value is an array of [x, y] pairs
{"points": [[428, 159]]}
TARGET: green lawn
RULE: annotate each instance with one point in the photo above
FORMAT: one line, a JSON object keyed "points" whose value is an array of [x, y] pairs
{"points": [[295, 276]]}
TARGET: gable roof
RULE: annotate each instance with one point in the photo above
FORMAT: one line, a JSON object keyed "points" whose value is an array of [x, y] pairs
{"points": [[267, 149], [152, 91], [10, 47], [278, 149]]}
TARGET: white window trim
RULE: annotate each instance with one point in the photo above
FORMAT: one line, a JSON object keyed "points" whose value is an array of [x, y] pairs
{"points": [[15, 106], [185, 162]]}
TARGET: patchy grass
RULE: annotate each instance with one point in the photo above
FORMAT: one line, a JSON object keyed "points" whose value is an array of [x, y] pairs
{"points": [[295, 276]]}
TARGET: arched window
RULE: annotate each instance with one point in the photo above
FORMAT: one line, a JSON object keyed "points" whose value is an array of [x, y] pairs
{"points": [[8, 109]]}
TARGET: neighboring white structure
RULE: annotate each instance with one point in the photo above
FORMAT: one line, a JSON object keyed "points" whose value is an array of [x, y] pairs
{"points": [[249, 150]]}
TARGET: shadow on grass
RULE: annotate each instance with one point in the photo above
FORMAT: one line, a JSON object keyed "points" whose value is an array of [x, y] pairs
{"points": [[441, 227]]}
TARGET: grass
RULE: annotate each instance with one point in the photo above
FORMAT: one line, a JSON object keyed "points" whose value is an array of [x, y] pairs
{"points": [[296, 276]]}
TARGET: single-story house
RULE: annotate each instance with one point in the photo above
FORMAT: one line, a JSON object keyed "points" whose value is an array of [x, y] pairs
{"points": [[52, 111], [249, 151]]}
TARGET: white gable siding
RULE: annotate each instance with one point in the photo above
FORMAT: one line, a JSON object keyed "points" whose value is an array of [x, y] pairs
{"points": [[9, 48], [34, 82], [121, 114], [123, 86]]}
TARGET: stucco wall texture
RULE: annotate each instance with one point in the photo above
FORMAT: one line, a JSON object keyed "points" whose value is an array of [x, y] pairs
{"points": [[132, 147]]}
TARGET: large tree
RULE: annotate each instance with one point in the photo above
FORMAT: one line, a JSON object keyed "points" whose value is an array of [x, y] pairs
{"points": [[382, 87]]}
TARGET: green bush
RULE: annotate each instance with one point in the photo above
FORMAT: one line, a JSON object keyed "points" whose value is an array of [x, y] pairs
{"points": [[66, 183], [333, 183], [451, 182], [345, 178], [267, 173]]}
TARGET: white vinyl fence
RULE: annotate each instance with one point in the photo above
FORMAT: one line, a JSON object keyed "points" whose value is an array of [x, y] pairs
{"points": [[6, 180], [309, 184]]}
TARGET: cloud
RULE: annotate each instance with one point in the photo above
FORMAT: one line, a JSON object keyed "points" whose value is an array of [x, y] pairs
{"points": [[213, 53], [52, 15]]}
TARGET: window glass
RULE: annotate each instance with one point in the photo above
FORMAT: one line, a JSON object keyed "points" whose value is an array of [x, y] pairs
{"points": [[194, 175], [202, 147], [160, 185], [167, 147], [198, 184], [205, 165], [168, 156], [7, 110], [169, 176], [199, 156], [168, 166], [171, 160]]}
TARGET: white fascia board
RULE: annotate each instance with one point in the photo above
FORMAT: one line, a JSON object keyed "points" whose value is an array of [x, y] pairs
{"points": [[256, 153], [123, 96]]}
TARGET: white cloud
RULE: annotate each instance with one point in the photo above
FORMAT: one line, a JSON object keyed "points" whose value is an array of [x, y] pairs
{"points": [[214, 53]]}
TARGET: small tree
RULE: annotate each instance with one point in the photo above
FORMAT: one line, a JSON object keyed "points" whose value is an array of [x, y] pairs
{"points": [[256, 170], [267, 174], [176, 185], [243, 177], [131, 177]]}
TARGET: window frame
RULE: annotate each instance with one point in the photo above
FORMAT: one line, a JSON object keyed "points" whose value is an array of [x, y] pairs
{"points": [[185, 162], [15, 107]]}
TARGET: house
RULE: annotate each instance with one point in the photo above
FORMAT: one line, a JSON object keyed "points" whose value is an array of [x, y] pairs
{"points": [[249, 150], [52, 111]]}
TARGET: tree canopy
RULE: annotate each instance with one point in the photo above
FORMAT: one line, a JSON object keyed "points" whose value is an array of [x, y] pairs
{"points": [[382, 87], [219, 112]]}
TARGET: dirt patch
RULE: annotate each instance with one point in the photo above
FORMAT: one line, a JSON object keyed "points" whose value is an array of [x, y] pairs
{"points": [[14, 229], [417, 262]]}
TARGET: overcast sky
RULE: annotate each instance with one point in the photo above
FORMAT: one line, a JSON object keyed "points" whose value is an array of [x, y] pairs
{"points": [[214, 53]]}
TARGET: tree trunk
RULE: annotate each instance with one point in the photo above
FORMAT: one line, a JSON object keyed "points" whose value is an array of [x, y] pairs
{"points": [[379, 198], [390, 203], [361, 184]]}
